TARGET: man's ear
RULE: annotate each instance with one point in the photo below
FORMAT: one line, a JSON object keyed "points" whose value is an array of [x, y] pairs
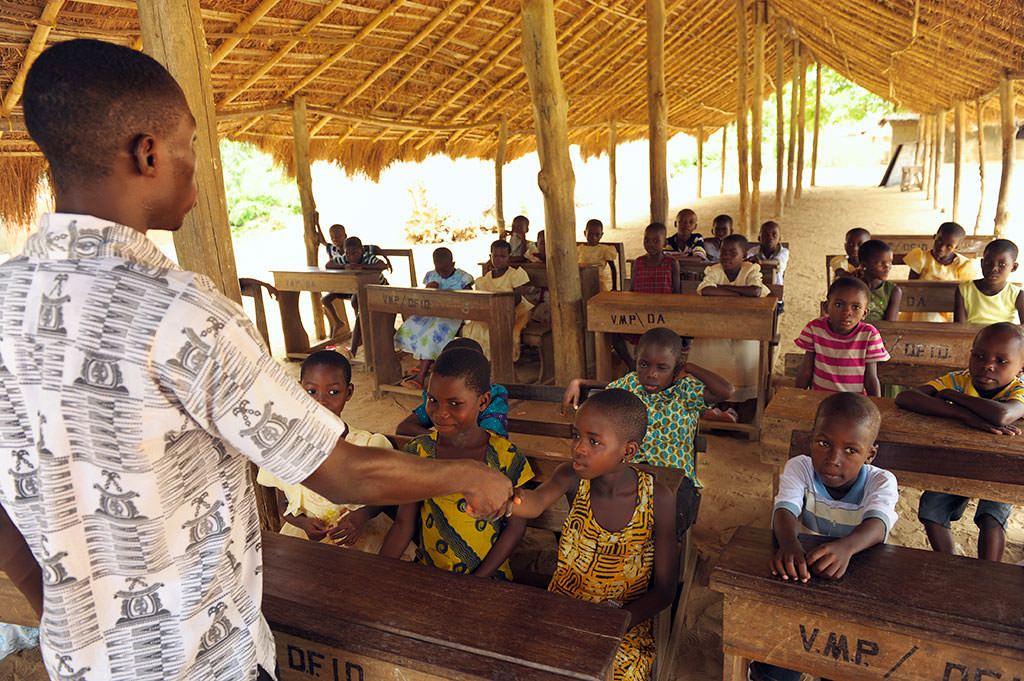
{"points": [[144, 155], [485, 400], [630, 451], [871, 453]]}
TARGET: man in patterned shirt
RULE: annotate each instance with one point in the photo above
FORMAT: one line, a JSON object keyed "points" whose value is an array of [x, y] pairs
{"points": [[133, 396]]}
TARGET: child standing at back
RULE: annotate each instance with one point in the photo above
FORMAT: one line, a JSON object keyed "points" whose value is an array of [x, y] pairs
{"points": [[885, 296], [721, 228], [327, 377], [425, 337], [992, 298], [674, 405], [355, 258], [518, 245], [941, 263], [988, 395], [834, 492], [502, 277], [841, 350], [448, 537], [848, 264], [618, 543], [595, 253]]}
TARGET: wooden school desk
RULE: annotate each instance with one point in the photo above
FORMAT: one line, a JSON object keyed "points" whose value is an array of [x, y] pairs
{"points": [[343, 615], [290, 283], [898, 614], [619, 275], [971, 246], [931, 453], [688, 315]]}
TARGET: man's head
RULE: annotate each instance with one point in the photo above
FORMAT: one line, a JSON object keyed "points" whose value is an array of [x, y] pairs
{"points": [[102, 112]]}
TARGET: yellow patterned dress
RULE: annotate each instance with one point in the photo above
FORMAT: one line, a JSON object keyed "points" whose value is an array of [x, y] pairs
{"points": [[596, 565]]}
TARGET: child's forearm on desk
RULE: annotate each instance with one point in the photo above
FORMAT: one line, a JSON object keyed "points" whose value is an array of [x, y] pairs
{"points": [[999, 413]]}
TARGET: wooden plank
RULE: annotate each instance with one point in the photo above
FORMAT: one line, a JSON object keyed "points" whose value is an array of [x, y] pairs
{"points": [[780, 116], [700, 161], [939, 156], [694, 271], [695, 316], [1008, 128], [620, 267], [742, 149], [934, 344], [801, 123], [499, 166], [972, 245], [393, 618], [304, 181], [402, 253], [36, 45], [889, 373], [757, 113], [657, 110], [958, 156], [817, 122], [794, 100], [613, 139]]}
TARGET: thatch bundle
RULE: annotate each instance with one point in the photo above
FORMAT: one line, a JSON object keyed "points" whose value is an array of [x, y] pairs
{"points": [[389, 81]]}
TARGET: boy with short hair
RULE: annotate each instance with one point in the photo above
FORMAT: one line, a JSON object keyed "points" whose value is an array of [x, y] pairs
{"points": [[992, 298], [834, 492], [988, 395], [517, 242], [355, 258], [687, 244], [770, 249]]}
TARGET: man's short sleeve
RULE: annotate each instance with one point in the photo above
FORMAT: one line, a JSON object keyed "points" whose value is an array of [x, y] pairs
{"points": [[217, 368], [881, 493], [793, 484]]}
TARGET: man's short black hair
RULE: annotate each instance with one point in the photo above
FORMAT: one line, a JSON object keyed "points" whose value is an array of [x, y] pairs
{"points": [[952, 229], [872, 249], [327, 358], [469, 365], [501, 243], [848, 282], [623, 410], [664, 338], [851, 406], [86, 100], [1002, 246]]}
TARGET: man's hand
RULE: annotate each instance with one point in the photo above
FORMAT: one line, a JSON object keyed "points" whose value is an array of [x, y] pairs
{"points": [[488, 493]]}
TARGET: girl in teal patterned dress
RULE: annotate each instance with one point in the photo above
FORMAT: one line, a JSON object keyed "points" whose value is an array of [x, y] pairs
{"points": [[425, 337]]}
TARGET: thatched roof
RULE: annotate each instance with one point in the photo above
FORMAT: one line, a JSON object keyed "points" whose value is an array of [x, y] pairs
{"points": [[400, 80]]}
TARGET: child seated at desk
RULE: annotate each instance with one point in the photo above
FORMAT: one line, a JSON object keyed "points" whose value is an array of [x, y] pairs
{"points": [[327, 377], [770, 249], [941, 263], [834, 492], [721, 228], [988, 395], [596, 253], [538, 251], [355, 258], [885, 296], [618, 543], [448, 537], [425, 337], [736, 360], [686, 245], [674, 405], [494, 417], [848, 264], [841, 350], [502, 277], [992, 298]]}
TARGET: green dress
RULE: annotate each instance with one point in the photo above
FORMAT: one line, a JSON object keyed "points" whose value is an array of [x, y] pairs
{"points": [[879, 302]]}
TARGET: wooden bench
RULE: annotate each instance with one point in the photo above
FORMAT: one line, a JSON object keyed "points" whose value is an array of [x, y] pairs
{"points": [[384, 302], [926, 452], [973, 245], [898, 613], [377, 618], [290, 283], [689, 315], [694, 272], [926, 296], [253, 288], [619, 269], [406, 253], [919, 351]]}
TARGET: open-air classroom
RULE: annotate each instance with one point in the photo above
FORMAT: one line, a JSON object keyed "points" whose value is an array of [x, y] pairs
{"points": [[610, 426]]}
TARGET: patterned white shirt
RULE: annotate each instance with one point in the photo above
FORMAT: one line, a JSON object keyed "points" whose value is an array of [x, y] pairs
{"points": [[132, 397]]}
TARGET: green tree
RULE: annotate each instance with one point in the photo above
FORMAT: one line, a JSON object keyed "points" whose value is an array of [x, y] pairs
{"points": [[258, 193]]}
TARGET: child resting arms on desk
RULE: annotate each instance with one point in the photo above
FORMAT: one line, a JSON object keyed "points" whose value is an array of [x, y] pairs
{"points": [[988, 395], [618, 543], [834, 492]]}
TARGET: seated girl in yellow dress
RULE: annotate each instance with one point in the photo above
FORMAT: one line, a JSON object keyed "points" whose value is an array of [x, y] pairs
{"points": [[596, 253], [941, 263], [618, 544]]}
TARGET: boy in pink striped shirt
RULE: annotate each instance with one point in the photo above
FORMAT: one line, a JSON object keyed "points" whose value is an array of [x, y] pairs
{"points": [[842, 350]]}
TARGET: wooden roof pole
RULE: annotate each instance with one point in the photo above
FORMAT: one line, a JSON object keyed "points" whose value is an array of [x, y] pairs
{"points": [[499, 164], [757, 117], [657, 112], [794, 100], [940, 152], [801, 127], [958, 156], [613, 139], [700, 161], [741, 115], [979, 109], [817, 122], [780, 118], [304, 180], [929, 149], [241, 30], [725, 130], [47, 20], [173, 35], [557, 182], [1006, 110]]}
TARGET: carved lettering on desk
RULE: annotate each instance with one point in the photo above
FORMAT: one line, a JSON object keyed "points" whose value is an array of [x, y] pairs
{"points": [[936, 351], [837, 646], [911, 301], [411, 302], [643, 319], [302, 660], [963, 672]]}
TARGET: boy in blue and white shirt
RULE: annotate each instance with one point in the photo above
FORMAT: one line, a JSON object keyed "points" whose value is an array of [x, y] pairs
{"points": [[834, 492]]}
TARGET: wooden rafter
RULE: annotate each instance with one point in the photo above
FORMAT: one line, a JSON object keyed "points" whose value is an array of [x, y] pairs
{"points": [[241, 30], [47, 20]]}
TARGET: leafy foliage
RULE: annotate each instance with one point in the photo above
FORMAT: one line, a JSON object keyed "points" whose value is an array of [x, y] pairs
{"points": [[428, 224], [258, 193]]}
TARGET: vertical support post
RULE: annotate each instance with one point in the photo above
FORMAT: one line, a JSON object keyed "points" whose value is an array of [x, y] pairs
{"points": [[979, 109], [801, 128], [919, 145], [613, 141], [499, 166], [700, 161], [725, 137], [304, 180], [929, 154], [940, 152], [757, 109], [817, 123], [557, 182], [1006, 111], [780, 118], [742, 158], [958, 156], [794, 101], [203, 243], [657, 110]]}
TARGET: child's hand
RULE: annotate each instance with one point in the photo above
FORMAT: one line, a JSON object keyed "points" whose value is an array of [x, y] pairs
{"points": [[314, 528], [830, 560], [974, 421], [571, 398], [348, 530], [789, 563]]}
